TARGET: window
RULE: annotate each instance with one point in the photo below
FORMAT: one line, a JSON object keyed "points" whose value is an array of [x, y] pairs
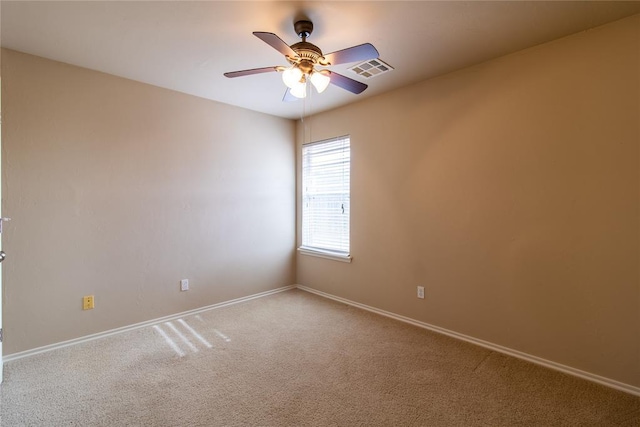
{"points": [[326, 166]]}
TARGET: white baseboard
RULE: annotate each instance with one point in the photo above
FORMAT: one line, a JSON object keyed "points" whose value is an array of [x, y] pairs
{"points": [[51, 347], [495, 347], [491, 346]]}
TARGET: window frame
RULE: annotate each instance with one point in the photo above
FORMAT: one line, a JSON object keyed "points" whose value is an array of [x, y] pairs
{"points": [[320, 252]]}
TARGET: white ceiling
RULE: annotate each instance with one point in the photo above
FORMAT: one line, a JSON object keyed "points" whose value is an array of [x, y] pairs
{"points": [[187, 46]]}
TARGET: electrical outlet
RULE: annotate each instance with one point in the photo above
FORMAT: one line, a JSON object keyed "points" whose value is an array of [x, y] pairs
{"points": [[421, 292], [184, 284], [88, 302]]}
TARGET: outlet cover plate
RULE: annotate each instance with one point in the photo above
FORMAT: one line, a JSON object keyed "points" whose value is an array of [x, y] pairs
{"points": [[184, 284], [88, 302], [421, 292]]}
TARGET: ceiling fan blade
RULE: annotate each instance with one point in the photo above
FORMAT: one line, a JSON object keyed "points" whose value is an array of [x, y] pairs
{"points": [[252, 71], [361, 52], [275, 42], [347, 83]]}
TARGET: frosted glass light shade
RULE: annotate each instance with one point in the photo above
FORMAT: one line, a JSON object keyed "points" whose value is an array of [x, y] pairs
{"points": [[320, 81], [299, 90], [291, 76]]}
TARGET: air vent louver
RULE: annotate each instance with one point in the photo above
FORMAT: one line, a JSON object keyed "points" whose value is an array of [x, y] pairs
{"points": [[371, 68]]}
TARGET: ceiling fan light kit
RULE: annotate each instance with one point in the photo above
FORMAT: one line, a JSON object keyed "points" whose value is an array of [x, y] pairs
{"points": [[299, 90], [320, 81], [296, 81], [292, 76], [304, 57]]}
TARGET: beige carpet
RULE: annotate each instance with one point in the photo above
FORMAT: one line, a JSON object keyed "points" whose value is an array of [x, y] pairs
{"points": [[296, 359]]}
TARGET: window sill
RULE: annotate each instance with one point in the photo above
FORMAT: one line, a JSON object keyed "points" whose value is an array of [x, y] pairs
{"points": [[325, 254]]}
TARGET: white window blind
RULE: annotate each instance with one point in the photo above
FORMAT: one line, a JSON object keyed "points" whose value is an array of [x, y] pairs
{"points": [[326, 167]]}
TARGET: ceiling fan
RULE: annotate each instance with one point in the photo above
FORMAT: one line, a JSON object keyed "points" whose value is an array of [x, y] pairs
{"points": [[306, 58]]}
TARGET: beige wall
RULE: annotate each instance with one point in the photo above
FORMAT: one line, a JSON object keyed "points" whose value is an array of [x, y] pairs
{"points": [[120, 189], [510, 190]]}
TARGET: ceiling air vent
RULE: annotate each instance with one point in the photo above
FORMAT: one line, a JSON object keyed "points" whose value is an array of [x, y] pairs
{"points": [[371, 68]]}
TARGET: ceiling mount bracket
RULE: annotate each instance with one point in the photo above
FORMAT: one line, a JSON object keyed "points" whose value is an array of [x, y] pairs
{"points": [[303, 29]]}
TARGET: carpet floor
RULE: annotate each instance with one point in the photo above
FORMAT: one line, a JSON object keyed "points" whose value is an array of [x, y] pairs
{"points": [[296, 359]]}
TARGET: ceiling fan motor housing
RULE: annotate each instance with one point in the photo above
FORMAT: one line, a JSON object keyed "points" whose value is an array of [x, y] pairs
{"points": [[308, 55]]}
